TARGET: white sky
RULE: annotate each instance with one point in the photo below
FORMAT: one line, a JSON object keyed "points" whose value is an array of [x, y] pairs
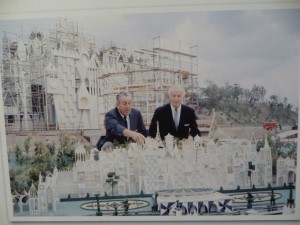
{"points": [[244, 47]]}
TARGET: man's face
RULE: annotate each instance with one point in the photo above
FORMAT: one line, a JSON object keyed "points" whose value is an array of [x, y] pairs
{"points": [[124, 105], [176, 97]]}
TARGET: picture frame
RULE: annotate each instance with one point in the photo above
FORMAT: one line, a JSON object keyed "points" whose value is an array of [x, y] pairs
{"points": [[134, 8]]}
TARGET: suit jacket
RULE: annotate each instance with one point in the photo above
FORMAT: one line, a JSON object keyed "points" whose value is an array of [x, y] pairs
{"points": [[163, 115], [115, 125]]}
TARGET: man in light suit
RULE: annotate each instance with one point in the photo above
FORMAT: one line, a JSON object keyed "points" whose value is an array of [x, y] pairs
{"points": [[123, 123], [174, 118]]}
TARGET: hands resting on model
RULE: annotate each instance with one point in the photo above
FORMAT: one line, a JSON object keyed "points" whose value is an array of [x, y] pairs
{"points": [[136, 136]]}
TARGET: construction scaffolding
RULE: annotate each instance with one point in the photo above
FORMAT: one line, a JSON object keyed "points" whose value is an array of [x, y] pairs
{"points": [[22, 83], [64, 81], [149, 73]]}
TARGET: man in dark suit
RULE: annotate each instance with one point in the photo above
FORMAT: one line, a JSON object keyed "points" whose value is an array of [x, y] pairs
{"points": [[174, 118], [123, 123]]}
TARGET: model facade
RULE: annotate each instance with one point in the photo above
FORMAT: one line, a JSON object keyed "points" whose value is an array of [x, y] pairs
{"points": [[157, 166]]}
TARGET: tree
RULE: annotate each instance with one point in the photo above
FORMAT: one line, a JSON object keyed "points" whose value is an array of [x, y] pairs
{"points": [[34, 174], [27, 145], [227, 92], [51, 147], [258, 93], [273, 103], [255, 95], [213, 95], [43, 160], [19, 155], [66, 153], [237, 92], [112, 180], [15, 183]]}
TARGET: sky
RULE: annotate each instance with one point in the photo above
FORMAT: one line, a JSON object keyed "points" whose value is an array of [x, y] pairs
{"points": [[244, 47]]}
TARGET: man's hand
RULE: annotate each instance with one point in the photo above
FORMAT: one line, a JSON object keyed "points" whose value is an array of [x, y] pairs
{"points": [[136, 136]]}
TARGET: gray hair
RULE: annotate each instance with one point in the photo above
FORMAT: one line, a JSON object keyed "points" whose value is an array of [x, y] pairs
{"points": [[121, 94], [176, 88]]}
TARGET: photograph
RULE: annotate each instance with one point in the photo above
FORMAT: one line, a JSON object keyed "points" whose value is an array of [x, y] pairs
{"points": [[166, 116]]}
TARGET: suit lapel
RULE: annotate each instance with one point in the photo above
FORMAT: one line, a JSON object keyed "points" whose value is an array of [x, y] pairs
{"points": [[118, 114], [182, 112]]}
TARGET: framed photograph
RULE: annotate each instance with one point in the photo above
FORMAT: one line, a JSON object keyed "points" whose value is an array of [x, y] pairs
{"points": [[239, 68]]}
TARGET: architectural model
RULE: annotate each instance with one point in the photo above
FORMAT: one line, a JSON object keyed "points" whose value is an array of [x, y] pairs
{"points": [[160, 168]]}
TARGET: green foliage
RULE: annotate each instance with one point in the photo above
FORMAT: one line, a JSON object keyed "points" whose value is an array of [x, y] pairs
{"points": [[60, 161], [87, 147], [15, 184], [67, 146], [34, 174], [42, 162], [19, 179], [247, 106], [64, 140], [19, 155], [51, 147], [66, 153], [112, 180], [27, 145], [213, 95]]}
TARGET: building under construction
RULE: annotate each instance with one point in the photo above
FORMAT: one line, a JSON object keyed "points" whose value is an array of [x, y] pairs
{"points": [[63, 81]]}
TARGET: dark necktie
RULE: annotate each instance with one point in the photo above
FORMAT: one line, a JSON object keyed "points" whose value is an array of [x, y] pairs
{"points": [[125, 121]]}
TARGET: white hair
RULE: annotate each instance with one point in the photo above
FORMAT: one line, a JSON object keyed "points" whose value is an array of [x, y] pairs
{"points": [[176, 88]]}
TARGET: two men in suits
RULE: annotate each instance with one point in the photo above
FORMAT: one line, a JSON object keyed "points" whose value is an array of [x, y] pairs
{"points": [[174, 118], [123, 123]]}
